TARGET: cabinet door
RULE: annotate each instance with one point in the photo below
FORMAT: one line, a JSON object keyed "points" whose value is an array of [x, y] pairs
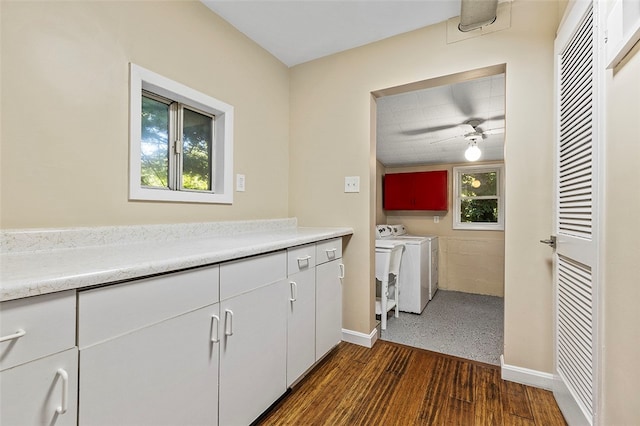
{"points": [[253, 352], [164, 374], [416, 191], [328, 306], [430, 190], [33, 393], [301, 324], [398, 191]]}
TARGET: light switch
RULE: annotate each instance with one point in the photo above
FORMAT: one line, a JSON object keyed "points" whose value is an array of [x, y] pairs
{"points": [[436, 219], [352, 184], [240, 181]]}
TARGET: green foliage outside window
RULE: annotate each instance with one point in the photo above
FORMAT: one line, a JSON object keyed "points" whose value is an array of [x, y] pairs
{"points": [[155, 144], [196, 151], [196, 158], [479, 193]]}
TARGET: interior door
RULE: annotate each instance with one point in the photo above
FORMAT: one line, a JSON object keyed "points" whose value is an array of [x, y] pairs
{"points": [[576, 214]]}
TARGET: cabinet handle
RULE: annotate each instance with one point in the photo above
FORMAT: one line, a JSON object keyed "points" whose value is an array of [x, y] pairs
{"points": [[65, 391], [294, 291], [18, 334], [304, 259], [331, 253], [228, 322], [341, 271], [215, 335]]}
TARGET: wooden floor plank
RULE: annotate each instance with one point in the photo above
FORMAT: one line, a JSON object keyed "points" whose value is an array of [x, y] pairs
{"points": [[392, 384], [405, 402], [515, 400], [488, 397], [544, 408], [437, 392], [462, 388]]}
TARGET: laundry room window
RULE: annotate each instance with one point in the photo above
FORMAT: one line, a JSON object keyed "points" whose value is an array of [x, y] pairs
{"points": [[479, 197], [180, 142]]}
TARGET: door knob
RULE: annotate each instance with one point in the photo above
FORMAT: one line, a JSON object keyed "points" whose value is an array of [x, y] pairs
{"points": [[551, 242]]}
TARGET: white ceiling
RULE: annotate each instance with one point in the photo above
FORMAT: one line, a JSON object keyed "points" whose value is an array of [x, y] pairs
{"points": [[423, 127], [297, 31]]}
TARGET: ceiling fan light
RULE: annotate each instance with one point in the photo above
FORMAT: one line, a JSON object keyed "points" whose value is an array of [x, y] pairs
{"points": [[472, 153]]}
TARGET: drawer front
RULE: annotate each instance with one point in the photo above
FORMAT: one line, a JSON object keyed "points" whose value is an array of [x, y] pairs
{"points": [[329, 250], [108, 312], [241, 276], [48, 322], [301, 258]]}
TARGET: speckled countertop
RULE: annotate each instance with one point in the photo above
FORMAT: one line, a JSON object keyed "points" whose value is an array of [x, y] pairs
{"points": [[34, 262]]}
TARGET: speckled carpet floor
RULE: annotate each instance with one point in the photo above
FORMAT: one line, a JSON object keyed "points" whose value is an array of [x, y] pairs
{"points": [[461, 324]]}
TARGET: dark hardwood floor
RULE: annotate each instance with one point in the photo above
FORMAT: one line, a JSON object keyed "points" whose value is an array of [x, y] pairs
{"points": [[393, 384]]}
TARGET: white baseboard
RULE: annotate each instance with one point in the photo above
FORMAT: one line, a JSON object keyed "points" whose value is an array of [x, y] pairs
{"points": [[366, 340], [526, 376]]}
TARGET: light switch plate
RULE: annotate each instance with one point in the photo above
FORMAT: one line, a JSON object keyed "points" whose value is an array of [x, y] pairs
{"points": [[240, 182], [352, 184]]}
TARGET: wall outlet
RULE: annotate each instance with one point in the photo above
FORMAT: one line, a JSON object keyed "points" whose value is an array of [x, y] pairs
{"points": [[352, 184], [436, 219], [240, 182]]}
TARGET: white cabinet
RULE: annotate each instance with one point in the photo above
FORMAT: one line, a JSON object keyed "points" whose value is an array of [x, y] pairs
{"points": [[253, 349], [38, 361], [301, 312], [329, 274], [150, 357], [211, 345], [41, 392]]}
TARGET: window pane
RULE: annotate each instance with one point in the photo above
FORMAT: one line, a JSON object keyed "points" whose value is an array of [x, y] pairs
{"points": [[154, 146], [197, 139], [485, 211], [479, 184]]}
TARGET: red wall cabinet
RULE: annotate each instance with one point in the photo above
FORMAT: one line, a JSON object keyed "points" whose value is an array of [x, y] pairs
{"points": [[416, 191]]}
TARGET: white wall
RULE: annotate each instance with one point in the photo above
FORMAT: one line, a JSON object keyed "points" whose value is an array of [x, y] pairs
{"points": [[64, 97], [622, 245], [332, 137]]}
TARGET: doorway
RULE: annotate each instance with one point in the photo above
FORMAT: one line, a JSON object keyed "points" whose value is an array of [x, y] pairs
{"points": [[427, 126]]}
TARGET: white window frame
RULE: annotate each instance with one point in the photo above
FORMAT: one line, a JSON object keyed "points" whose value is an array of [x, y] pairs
{"points": [[222, 192], [457, 197]]}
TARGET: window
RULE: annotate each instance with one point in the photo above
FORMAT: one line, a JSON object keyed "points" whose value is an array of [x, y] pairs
{"points": [[180, 142], [479, 199]]}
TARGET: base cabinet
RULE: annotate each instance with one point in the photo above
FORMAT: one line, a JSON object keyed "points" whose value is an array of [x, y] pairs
{"points": [[328, 306], [149, 351], [207, 346], [253, 353], [41, 392], [39, 360], [301, 324], [253, 347], [165, 374]]}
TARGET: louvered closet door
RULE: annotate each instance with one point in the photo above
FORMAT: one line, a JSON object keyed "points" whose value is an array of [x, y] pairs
{"points": [[576, 216]]}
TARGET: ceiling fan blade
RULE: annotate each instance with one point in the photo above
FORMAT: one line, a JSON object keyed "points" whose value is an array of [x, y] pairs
{"points": [[496, 131], [429, 130], [446, 139], [462, 100]]}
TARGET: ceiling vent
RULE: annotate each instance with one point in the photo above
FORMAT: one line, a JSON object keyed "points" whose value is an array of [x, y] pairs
{"points": [[475, 14]]}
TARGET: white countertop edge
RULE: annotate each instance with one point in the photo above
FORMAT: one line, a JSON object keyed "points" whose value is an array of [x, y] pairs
{"points": [[44, 239], [22, 283]]}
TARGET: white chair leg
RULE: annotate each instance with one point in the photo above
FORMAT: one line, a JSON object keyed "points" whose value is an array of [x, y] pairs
{"points": [[384, 290], [397, 292]]}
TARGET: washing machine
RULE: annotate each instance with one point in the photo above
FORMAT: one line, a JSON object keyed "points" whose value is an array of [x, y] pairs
{"points": [[419, 269]]}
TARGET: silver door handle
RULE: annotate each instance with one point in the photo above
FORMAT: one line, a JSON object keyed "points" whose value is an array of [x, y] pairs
{"points": [[551, 242]]}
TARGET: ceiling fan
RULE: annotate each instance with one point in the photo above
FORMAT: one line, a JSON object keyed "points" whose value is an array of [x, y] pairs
{"points": [[470, 130], [473, 133]]}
